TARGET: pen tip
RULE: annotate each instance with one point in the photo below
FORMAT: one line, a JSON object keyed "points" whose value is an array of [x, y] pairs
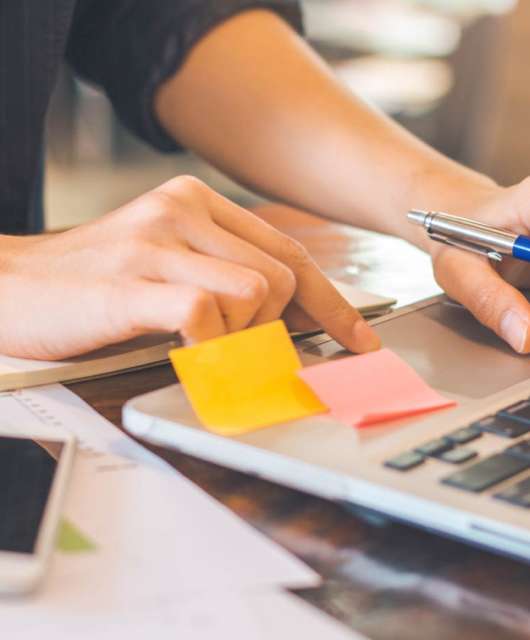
{"points": [[417, 217]]}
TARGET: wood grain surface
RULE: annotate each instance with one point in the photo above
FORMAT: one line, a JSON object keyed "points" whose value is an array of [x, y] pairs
{"points": [[386, 580]]}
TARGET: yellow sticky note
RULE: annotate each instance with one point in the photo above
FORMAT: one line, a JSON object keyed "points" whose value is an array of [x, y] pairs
{"points": [[245, 380]]}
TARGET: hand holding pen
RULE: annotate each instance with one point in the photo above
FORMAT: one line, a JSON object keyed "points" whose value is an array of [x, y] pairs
{"points": [[473, 236], [490, 289]]}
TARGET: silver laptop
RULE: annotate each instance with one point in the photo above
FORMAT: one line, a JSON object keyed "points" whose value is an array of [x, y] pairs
{"points": [[463, 472]]}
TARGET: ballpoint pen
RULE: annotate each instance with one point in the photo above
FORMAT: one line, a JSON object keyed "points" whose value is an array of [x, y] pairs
{"points": [[473, 236]]}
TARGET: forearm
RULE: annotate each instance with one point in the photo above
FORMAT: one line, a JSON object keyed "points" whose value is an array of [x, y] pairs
{"points": [[255, 100]]}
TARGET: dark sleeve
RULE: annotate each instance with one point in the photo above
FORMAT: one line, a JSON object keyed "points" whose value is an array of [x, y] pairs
{"points": [[129, 47]]}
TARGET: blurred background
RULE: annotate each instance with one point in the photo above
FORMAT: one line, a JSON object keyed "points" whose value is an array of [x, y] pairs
{"points": [[455, 72]]}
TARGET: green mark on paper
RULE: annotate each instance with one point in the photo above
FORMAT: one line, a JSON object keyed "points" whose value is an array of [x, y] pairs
{"points": [[71, 540]]}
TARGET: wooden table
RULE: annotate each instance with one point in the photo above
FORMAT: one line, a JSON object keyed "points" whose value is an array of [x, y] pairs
{"points": [[388, 581]]}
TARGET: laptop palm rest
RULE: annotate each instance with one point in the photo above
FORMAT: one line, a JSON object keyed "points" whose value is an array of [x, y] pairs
{"points": [[448, 348], [451, 351]]}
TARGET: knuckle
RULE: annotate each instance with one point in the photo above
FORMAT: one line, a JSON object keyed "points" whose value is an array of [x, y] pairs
{"points": [[151, 208], [283, 282], [188, 187], [159, 201], [253, 288], [295, 254], [182, 199]]}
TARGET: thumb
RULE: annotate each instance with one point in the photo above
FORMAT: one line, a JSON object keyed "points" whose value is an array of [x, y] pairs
{"points": [[473, 282]]}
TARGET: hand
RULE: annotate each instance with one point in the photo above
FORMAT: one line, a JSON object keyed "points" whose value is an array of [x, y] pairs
{"points": [[179, 259], [489, 292]]}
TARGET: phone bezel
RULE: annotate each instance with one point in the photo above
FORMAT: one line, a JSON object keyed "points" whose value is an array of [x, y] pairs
{"points": [[21, 572]]}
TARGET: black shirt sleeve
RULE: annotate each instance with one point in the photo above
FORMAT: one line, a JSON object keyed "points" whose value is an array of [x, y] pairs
{"points": [[129, 47]]}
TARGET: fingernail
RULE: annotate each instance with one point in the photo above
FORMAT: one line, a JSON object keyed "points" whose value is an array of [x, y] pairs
{"points": [[366, 339], [514, 330]]}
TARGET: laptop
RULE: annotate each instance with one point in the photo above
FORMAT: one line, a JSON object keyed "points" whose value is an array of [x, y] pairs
{"points": [[463, 472]]}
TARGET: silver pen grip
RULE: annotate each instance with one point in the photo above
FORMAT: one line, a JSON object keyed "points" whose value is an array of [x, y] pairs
{"points": [[441, 224]]}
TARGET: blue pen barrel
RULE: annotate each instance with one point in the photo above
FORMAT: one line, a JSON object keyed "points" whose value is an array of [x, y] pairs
{"points": [[521, 248]]}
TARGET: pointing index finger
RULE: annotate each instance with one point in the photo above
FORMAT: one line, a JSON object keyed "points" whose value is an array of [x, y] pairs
{"points": [[321, 300], [315, 294]]}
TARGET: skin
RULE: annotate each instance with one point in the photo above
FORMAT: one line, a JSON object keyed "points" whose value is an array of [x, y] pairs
{"points": [[180, 258], [256, 101], [253, 84]]}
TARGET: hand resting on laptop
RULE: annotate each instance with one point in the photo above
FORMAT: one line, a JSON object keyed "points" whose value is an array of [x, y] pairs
{"points": [[179, 259]]}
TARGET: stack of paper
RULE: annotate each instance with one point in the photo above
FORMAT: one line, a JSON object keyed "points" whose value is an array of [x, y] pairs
{"points": [[148, 554]]}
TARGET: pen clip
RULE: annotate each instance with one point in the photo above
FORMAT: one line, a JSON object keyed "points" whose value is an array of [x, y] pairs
{"points": [[467, 246]]}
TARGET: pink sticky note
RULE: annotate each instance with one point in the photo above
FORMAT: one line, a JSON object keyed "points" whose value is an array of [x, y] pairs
{"points": [[370, 388]]}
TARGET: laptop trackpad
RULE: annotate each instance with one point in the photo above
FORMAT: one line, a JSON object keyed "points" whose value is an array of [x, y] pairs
{"points": [[453, 352]]}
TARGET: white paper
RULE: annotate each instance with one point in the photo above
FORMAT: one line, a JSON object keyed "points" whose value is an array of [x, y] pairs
{"points": [[265, 615], [55, 407], [170, 562], [159, 536], [157, 533]]}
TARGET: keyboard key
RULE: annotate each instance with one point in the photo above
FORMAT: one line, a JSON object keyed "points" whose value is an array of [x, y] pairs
{"points": [[503, 426], [518, 411], [405, 461], [458, 456], [486, 473], [520, 450], [464, 435], [518, 494], [435, 447]]}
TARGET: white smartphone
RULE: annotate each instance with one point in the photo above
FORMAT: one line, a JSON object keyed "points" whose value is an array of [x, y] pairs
{"points": [[33, 480]]}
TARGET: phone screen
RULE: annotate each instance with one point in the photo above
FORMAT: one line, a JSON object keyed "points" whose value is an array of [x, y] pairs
{"points": [[27, 468]]}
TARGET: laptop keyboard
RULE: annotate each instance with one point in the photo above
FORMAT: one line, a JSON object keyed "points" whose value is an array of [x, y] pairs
{"points": [[476, 474], [487, 473]]}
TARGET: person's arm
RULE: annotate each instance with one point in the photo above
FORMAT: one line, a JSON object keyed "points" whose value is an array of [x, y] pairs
{"points": [[254, 99], [180, 258]]}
